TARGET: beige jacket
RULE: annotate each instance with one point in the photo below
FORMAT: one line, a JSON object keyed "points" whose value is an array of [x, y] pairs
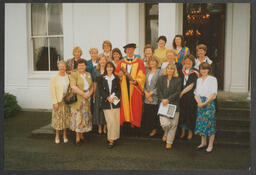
{"points": [[77, 80], [57, 88]]}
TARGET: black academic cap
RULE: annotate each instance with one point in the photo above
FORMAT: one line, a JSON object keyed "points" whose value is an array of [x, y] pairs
{"points": [[130, 45]]}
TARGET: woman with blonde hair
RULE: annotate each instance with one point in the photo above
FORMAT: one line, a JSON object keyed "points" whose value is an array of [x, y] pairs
{"points": [[168, 90], [205, 93], [92, 63], [98, 114], [60, 114], [81, 84], [201, 50], [107, 49], [150, 121], [72, 62], [171, 59]]}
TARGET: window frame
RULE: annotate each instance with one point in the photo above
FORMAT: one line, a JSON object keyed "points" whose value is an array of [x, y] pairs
{"points": [[34, 74]]}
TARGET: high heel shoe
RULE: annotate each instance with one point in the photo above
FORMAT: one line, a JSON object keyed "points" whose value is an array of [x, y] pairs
{"points": [[168, 146], [105, 130], [209, 150], [65, 140], [100, 130], [57, 140], [164, 138], [200, 147], [153, 132]]}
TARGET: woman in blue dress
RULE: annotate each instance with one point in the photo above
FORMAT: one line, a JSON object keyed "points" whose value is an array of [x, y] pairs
{"points": [[205, 93]]}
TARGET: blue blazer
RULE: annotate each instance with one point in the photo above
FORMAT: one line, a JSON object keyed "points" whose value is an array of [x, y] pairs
{"points": [[89, 66]]}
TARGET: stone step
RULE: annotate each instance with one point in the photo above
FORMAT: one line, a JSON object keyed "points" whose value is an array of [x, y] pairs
{"points": [[232, 133], [233, 114], [223, 123], [233, 104]]}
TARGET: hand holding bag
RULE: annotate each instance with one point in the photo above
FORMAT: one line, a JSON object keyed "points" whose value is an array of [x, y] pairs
{"points": [[70, 97]]}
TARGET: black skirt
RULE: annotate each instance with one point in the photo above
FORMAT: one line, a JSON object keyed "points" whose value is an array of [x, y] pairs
{"points": [[188, 108], [150, 120]]}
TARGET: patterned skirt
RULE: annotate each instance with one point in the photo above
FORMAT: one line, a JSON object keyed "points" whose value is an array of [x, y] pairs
{"points": [[81, 120], [205, 122], [61, 117]]}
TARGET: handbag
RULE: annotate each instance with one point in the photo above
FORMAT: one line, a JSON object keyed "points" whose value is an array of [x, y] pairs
{"points": [[70, 97]]}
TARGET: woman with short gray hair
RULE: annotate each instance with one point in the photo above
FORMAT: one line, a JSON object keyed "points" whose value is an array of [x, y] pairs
{"points": [[60, 114]]}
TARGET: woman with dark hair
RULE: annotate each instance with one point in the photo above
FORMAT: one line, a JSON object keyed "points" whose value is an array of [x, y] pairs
{"points": [[187, 101], [205, 93], [179, 45], [110, 92], [81, 84], [160, 52], [116, 56], [148, 52]]}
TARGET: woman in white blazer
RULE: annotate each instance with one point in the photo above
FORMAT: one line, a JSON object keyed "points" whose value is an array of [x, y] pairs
{"points": [[61, 113]]}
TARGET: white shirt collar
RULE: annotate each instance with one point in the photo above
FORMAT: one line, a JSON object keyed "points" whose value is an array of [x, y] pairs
{"points": [[109, 78]]}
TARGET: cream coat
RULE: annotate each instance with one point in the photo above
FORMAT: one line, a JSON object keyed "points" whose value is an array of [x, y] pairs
{"points": [[57, 88]]}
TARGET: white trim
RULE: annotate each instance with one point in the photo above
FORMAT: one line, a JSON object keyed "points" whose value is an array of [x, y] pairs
{"points": [[51, 36], [228, 47], [179, 16], [68, 34], [141, 29], [32, 74]]}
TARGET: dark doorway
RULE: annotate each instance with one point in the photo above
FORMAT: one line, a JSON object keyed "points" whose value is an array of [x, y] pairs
{"points": [[204, 23], [151, 20]]}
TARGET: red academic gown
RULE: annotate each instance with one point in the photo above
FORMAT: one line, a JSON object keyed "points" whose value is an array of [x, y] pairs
{"points": [[131, 103]]}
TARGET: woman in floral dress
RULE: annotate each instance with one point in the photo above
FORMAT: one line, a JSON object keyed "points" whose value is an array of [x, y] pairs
{"points": [[81, 118], [205, 93]]}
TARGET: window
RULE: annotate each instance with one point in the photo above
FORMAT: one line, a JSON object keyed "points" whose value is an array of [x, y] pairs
{"points": [[46, 35], [151, 17]]}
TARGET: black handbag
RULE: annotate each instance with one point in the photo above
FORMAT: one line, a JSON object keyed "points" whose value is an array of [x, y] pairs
{"points": [[70, 97]]}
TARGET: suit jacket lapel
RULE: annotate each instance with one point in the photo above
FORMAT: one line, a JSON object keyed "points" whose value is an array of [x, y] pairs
{"points": [[105, 84]]}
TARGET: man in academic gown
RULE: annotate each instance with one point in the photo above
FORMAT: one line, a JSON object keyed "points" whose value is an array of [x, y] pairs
{"points": [[131, 90]]}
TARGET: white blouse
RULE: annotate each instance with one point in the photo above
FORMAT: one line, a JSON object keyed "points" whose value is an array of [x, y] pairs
{"points": [[206, 59], [94, 64], [65, 88], [86, 84], [185, 78], [150, 76], [206, 88], [129, 66], [110, 79]]}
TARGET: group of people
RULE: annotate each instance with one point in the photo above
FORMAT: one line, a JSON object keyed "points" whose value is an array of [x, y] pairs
{"points": [[114, 91]]}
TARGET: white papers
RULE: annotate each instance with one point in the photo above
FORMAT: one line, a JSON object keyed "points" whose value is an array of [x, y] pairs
{"points": [[116, 101], [167, 111]]}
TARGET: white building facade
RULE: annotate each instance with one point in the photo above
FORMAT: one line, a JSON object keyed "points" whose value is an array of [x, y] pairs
{"points": [[89, 24]]}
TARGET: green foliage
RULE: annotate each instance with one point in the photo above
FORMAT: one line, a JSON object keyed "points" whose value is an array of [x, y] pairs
{"points": [[10, 105]]}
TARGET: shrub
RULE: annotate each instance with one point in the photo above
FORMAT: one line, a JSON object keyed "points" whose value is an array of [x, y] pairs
{"points": [[10, 105]]}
